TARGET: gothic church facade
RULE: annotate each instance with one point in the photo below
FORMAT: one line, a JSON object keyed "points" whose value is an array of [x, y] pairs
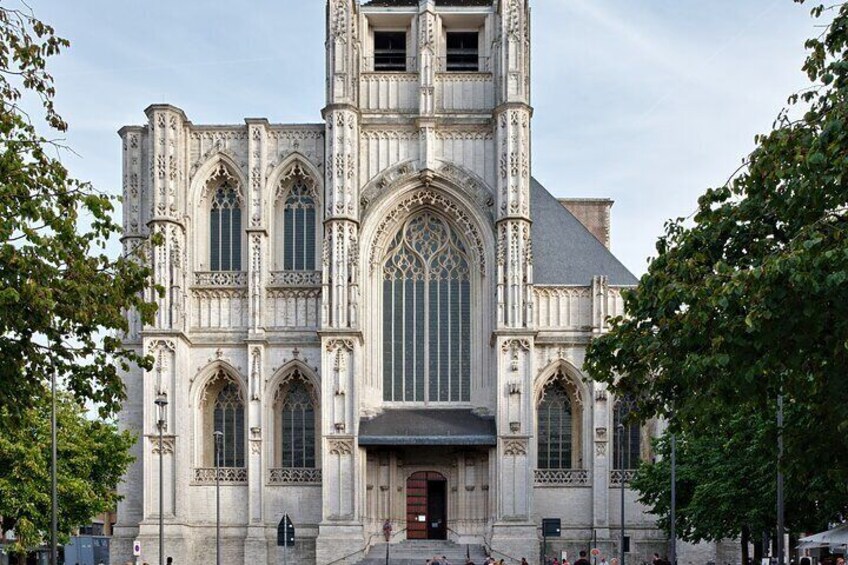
{"points": [[380, 316]]}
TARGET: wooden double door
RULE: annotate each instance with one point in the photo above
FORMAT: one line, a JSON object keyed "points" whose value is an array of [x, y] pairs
{"points": [[426, 506]]}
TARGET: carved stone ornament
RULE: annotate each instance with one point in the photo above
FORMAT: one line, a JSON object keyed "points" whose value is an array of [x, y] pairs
{"points": [[600, 449], [222, 174], [340, 446], [515, 447], [255, 446], [168, 443], [430, 199]]}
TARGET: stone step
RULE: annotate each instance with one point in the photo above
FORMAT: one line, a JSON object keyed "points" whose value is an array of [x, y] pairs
{"points": [[417, 552]]}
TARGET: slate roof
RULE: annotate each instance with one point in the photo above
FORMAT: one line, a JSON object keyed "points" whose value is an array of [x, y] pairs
{"points": [[427, 427], [564, 251]]}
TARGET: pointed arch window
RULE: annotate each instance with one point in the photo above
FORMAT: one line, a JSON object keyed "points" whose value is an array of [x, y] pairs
{"points": [[426, 314], [298, 231], [225, 229], [229, 419], [297, 413], [556, 427], [627, 442]]}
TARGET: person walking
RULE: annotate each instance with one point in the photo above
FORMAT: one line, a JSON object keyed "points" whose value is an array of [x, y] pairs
{"points": [[582, 559], [387, 530]]}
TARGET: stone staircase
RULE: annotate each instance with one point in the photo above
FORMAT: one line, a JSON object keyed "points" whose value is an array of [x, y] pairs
{"points": [[417, 552]]}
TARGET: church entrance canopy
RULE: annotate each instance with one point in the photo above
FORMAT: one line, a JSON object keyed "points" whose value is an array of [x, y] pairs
{"points": [[427, 427]]}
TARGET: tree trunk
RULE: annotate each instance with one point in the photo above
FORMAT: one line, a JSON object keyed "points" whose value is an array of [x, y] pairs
{"points": [[746, 538], [758, 552]]}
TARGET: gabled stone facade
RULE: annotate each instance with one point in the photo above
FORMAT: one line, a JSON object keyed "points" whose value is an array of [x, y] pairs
{"points": [[425, 147]]}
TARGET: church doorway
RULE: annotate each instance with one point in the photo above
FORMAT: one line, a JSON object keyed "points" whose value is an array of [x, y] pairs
{"points": [[426, 506]]}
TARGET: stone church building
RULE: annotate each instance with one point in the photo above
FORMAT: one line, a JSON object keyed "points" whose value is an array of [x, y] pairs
{"points": [[384, 315]]}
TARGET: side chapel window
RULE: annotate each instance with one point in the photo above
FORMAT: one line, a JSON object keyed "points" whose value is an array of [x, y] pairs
{"points": [[426, 314], [626, 442], [225, 229], [297, 415], [228, 418], [556, 426], [299, 229]]}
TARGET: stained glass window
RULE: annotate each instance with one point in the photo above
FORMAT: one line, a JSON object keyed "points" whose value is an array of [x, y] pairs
{"points": [[298, 231], [225, 230], [626, 442], [555, 427], [229, 419], [298, 426], [426, 314]]}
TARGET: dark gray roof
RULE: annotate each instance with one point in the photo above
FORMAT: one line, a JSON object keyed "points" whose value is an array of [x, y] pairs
{"points": [[564, 251], [427, 427]]}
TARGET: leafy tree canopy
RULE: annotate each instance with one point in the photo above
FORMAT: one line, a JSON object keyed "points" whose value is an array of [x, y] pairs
{"points": [[92, 457], [750, 300], [60, 292]]}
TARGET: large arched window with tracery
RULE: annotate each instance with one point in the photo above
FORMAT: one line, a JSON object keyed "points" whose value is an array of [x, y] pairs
{"points": [[222, 405], [225, 229], [426, 314], [229, 419], [299, 229], [627, 441], [555, 427], [297, 415]]}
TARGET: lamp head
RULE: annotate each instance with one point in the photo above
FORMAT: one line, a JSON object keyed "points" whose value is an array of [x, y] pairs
{"points": [[218, 434], [161, 400]]}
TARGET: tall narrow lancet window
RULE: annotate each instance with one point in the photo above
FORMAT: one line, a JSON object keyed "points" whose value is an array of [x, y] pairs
{"points": [[555, 427], [627, 442], [297, 424], [426, 314], [225, 230], [299, 229], [228, 418]]}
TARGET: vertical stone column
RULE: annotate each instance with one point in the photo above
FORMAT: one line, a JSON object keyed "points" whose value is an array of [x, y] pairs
{"points": [[257, 221], [167, 187], [514, 533], [428, 63], [342, 463], [603, 452]]}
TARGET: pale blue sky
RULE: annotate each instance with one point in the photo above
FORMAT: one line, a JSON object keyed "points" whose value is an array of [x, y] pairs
{"points": [[647, 102]]}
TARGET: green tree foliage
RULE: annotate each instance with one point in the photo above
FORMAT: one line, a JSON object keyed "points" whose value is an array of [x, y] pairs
{"points": [[60, 291], [92, 457], [748, 301]]}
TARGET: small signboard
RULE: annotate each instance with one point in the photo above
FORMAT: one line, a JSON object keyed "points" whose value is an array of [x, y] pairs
{"points": [[551, 527], [136, 548]]}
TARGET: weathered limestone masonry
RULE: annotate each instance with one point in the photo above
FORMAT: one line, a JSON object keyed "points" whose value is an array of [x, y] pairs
{"points": [[384, 314]]}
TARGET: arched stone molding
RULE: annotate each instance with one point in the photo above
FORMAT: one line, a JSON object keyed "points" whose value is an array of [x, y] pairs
{"points": [[219, 167], [203, 389], [410, 195], [469, 183], [581, 406], [427, 190], [294, 369], [281, 178]]}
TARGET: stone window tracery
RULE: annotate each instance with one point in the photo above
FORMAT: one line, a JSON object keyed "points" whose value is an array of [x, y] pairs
{"points": [[298, 231], [426, 314], [297, 416], [225, 229], [222, 405], [627, 445], [558, 425]]}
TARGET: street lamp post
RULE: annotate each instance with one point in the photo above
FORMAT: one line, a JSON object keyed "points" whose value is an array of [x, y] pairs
{"points": [[161, 403], [54, 495], [621, 470], [219, 435], [672, 553], [780, 526]]}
